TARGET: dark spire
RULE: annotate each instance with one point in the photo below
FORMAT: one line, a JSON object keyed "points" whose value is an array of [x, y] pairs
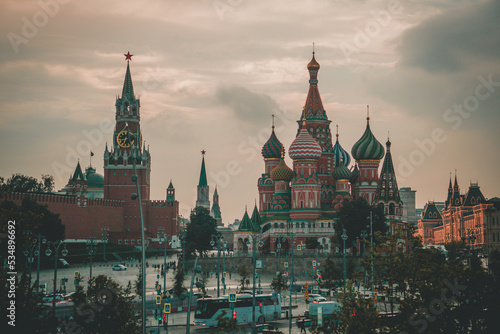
{"points": [[78, 174], [128, 88], [387, 188], [203, 173]]}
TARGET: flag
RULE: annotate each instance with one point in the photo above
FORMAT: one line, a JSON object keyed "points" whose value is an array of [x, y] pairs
{"points": [[91, 153]]}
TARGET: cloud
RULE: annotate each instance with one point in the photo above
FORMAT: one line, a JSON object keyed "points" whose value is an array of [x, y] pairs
{"points": [[246, 105], [455, 39]]}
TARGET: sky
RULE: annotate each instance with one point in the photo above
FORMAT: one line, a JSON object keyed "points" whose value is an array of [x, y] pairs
{"points": [[210, 73]]}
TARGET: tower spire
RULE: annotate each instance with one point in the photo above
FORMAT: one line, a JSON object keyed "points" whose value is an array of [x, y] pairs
{"points": [[128, 88]]}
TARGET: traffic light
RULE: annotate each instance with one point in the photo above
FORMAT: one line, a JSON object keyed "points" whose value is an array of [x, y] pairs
{"points": [[260, 307], [234, 315], [287, 274]]}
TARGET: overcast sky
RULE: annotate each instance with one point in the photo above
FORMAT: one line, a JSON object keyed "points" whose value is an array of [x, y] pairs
{"points": [[210, 73]]}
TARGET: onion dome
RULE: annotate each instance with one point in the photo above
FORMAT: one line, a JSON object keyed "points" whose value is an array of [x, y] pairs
{"points": [[313, 64], [341, 172], [282, 172], [272, 148], [339, 153], [368, 147], [304, 146]]}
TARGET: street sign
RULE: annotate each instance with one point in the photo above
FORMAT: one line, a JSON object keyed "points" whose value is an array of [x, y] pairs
{"points": [[286, 264], [299, 247], [314, 263], [306, 295], [375, 300], [224, 275], [318, 272], [232, 297], [306, 286], [158, 299], [166, 308]]}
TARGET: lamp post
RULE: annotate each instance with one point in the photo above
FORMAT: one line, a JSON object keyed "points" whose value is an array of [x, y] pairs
{"points": [[133, 140], [470, 237], [224, 266], [217, 239], [30, 252], [163, 239], [183, 243], [364, 235], [105, 240], [91, 250], [371, 247], [196, 269], [291, 284], [254, 238], [344, 238], [40, 239], [55, 245], [279, 239]]}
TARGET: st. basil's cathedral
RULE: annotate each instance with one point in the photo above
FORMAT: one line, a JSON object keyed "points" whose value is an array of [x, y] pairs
{"points": [[302, 201]]}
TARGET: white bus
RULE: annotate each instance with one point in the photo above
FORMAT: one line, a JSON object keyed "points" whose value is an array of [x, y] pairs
{"points": [[267, 307]]}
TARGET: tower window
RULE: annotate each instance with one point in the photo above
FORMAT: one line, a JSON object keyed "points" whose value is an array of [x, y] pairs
{"points": [[125, 173]]}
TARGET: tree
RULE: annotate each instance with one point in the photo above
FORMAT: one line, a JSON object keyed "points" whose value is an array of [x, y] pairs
{"points": [[27, 184], [354, 217], [244, 273], [357, 316], [28, 313], [103, 308], [138, 284], [179, 278], [226, 324], [312, 243], [279, 283], [331, 274], [199, 231]]}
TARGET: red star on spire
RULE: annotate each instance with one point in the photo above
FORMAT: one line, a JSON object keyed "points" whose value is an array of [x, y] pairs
{"points": [[128, 56], [203, 152]]}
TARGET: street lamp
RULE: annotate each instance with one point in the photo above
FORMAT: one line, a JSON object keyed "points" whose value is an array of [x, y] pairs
{"points": [[217, 239], [344, 238], [105, 240], [364, 235], [163, 239], [279, 239], [254, 238], [137, 158], [55, 245], [371, 247], [91, 250], [470, 237], [224, 266], [182, 236], [292, 235]]}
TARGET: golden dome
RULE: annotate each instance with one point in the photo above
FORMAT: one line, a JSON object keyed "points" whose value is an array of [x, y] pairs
{"points": [[313, 64]]}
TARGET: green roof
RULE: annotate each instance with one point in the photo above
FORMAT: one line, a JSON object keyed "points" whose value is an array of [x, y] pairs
{"points": [[78, 174], [128, 88], [203, 174]]}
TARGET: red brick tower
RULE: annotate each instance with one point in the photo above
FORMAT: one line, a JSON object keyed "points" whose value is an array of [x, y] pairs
{"points": [[118, 161]]}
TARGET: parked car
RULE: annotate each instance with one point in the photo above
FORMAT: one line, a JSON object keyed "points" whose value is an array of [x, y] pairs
{"points": [[119, 267], [49, 298]]}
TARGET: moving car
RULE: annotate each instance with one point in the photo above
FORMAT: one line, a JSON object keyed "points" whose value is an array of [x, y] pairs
{"points": [[315, 298], [119, 267], [49, 298]]}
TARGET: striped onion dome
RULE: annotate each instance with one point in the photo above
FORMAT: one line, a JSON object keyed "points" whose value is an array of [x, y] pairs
{"points": [[340, 154], [272, 148], [282, 172], [368, 147], [304, 146], [341, 172]]}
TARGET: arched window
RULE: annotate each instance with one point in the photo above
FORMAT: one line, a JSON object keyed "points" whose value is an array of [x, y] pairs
{"points": [[275, 225], [282, 225], [392, 208], [302, 225]]}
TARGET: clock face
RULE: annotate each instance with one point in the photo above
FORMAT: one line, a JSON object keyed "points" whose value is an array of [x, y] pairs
{"points": [[123, 139]]}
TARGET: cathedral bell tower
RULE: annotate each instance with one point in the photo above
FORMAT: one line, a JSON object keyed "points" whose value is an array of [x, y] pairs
{"points": [[118, 159]]}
